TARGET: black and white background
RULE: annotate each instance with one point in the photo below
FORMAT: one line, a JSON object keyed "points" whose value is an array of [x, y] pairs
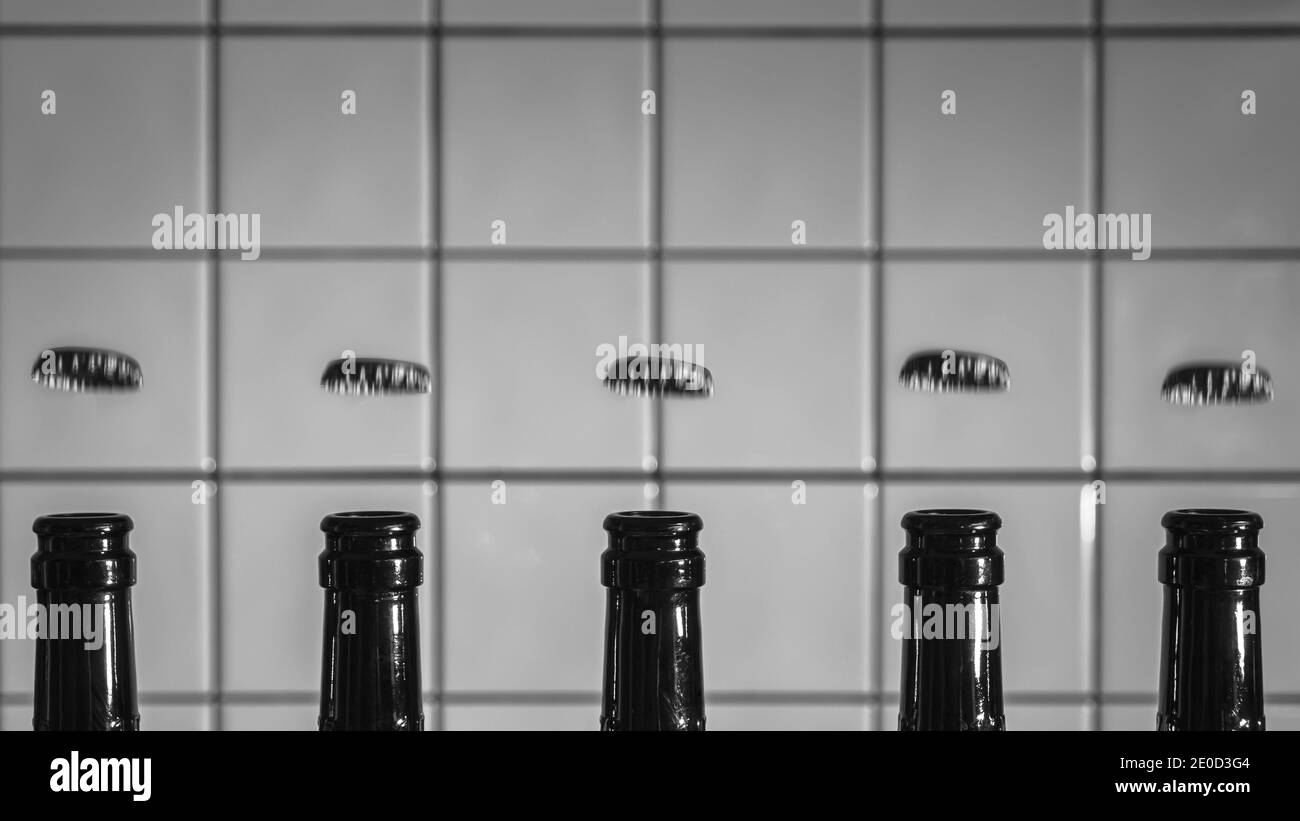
{"points": [[506, 198]]}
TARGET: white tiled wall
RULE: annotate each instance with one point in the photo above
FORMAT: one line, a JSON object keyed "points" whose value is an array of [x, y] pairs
{"points": [[923, 231]]}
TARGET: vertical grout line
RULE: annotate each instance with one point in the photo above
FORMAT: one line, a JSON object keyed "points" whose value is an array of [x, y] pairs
{"points": [[436, 361], [2, 484], [213, 511], [876, 598], [1096, 328], [656, 185]]}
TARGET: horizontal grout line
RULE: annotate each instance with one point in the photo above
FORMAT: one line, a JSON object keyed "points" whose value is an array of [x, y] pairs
{"points": [[647, 254], [142, 254], [686, 475], [725, 697], [165, 699], [647, 30]]}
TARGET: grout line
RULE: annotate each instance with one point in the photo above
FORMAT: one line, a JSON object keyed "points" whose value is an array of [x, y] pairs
{"points": [[766, 698], [657, 406], [1096, 350], [438, 361], [2, 581], [718, 475], [213, 510], [651, 254], [876, 597], [1066, 31]]}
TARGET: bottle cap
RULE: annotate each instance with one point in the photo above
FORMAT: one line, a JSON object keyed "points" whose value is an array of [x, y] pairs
{"points": [[83, 552], [653, 550], [371, 551], [951, 548]]}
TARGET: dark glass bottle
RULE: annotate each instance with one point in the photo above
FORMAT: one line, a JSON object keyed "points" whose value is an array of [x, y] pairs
{"points": [[370, 669], [654, 569], [1211, 662], [950, 570], [83, 571]]}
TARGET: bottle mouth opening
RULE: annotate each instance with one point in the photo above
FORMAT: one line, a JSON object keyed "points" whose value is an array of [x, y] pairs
{"points": [[369, 514], [1212, 520], [951, 520], [82, 523], [653, 521], [370, 521]]}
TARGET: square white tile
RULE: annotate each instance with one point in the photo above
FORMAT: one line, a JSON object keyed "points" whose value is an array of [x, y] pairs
{"points": [[1029, 314], [759, 134], [766, 13], [544, 142], [1179, 147], [176, 717], [319, 176], [272, 602], [1013, 151], [789, 348], [124, 142], [522, 345], [1053, 717], [1129, 717], [1182, 12], [985, 12], [545, 12], [372, 12], [522, 717], [1285, 717], [282, 322], [270, 717], [116, 12], [789, 572], [171, 603], [152, 311], [16, 718], [1160, 315], [790, 717], [525, 608]]}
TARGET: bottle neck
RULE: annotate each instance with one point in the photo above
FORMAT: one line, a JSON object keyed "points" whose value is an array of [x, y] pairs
{"points": [[370, 671], [653, 662], [952, 660], [1211, 664], [950, 569], [85, 663], [370, 657]]}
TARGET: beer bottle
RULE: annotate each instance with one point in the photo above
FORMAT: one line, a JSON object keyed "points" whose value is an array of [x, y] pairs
{"points": [[952, 659], [654, 569], [83, 570], [370, 668], [1211, 663]]}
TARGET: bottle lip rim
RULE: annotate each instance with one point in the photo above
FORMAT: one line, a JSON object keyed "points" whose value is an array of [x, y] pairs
{"points": [[88, 523], [653, 521], [1212, 520], [393, 522], [956, 520]]}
